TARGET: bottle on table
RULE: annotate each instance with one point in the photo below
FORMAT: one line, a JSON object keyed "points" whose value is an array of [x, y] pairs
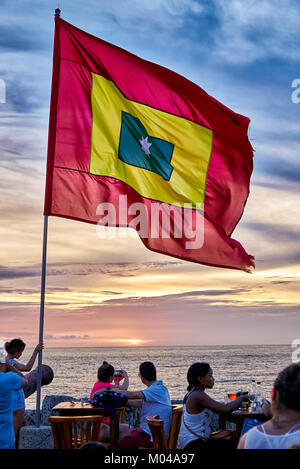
{"points": [[258, 390], [252, 393], [256, 404]]}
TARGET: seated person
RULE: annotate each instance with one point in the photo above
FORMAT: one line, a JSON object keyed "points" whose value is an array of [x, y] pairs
{"points": [[106, 379], [198, 408], [282, 431], [154, 399]]}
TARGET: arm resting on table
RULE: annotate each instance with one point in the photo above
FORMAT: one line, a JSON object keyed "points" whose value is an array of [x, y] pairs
{"points": [[136, 403], [134, 394], [208, 403]]}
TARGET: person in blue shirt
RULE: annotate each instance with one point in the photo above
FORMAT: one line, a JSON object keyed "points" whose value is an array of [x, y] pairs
{"points": [[15, 349], [155, 399], [10, 382]]}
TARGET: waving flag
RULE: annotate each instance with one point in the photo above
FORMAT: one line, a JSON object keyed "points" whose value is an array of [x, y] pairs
{"points": [[124, 131]]}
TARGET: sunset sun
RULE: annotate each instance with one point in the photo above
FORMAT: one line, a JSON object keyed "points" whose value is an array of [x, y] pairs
{"points": [[133, 341]]}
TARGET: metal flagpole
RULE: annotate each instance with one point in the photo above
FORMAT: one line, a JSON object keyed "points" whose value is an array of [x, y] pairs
{"points": [[51, 138], [42, 310]]}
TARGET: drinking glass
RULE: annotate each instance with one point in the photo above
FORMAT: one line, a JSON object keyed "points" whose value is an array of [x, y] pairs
{"points": [[118, 377]]}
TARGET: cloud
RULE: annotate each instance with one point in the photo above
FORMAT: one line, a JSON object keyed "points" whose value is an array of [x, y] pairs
{"points": [[243, 53], [10, 273], [189, 297], [66, 337], [288, 171], [161, 16], [17, 36], [277, 184], [277, 232], [257, 30], [121, 269]]}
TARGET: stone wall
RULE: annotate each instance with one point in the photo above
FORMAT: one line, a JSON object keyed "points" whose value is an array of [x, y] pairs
{"points": [[132, 416], [32, 437]]}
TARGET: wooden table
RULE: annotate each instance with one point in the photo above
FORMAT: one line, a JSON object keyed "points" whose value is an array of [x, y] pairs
{"points": [[238, 418], [71, 408]]}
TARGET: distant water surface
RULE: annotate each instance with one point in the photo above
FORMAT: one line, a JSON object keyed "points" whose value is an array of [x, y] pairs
{"points": [[75, 369]]}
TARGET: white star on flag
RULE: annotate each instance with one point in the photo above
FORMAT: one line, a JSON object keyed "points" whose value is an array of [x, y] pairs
{"points": [[145, 145]]}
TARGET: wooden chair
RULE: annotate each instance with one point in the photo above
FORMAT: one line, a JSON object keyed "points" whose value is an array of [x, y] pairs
{"points": [[65, 430], [122, 415], [175, 425], [156, 426]]}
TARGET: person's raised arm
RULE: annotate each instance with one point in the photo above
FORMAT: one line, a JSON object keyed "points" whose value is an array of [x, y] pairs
{"points": [[125, 384], [204, 401], [30, 363]]}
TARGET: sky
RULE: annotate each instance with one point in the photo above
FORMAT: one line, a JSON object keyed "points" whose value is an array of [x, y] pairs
{"points": [[108, 292]]}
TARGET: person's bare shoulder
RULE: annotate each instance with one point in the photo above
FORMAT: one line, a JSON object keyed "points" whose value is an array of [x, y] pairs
{"points": [[195, 399], [241, 444]]}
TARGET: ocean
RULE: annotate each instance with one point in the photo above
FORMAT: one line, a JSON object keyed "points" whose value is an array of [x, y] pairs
{"points": [[75, 369]]}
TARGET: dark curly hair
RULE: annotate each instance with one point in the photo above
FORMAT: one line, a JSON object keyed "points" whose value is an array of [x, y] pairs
{"points": [[105, 371], [14, 346], [287, 385], [195, 370]]}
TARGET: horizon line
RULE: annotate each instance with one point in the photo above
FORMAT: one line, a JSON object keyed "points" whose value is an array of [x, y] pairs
{"points": [[157, 346]]}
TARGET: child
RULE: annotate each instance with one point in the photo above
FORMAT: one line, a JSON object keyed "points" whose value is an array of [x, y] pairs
{"points": [[105, 380]]}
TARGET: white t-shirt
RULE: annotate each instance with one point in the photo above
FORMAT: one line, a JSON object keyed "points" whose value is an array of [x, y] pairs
{"points": [[157, 401]]}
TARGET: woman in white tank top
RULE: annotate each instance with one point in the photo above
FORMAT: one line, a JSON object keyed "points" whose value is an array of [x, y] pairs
{"points": [[258, 438], [282, 431], [196, 423]]}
